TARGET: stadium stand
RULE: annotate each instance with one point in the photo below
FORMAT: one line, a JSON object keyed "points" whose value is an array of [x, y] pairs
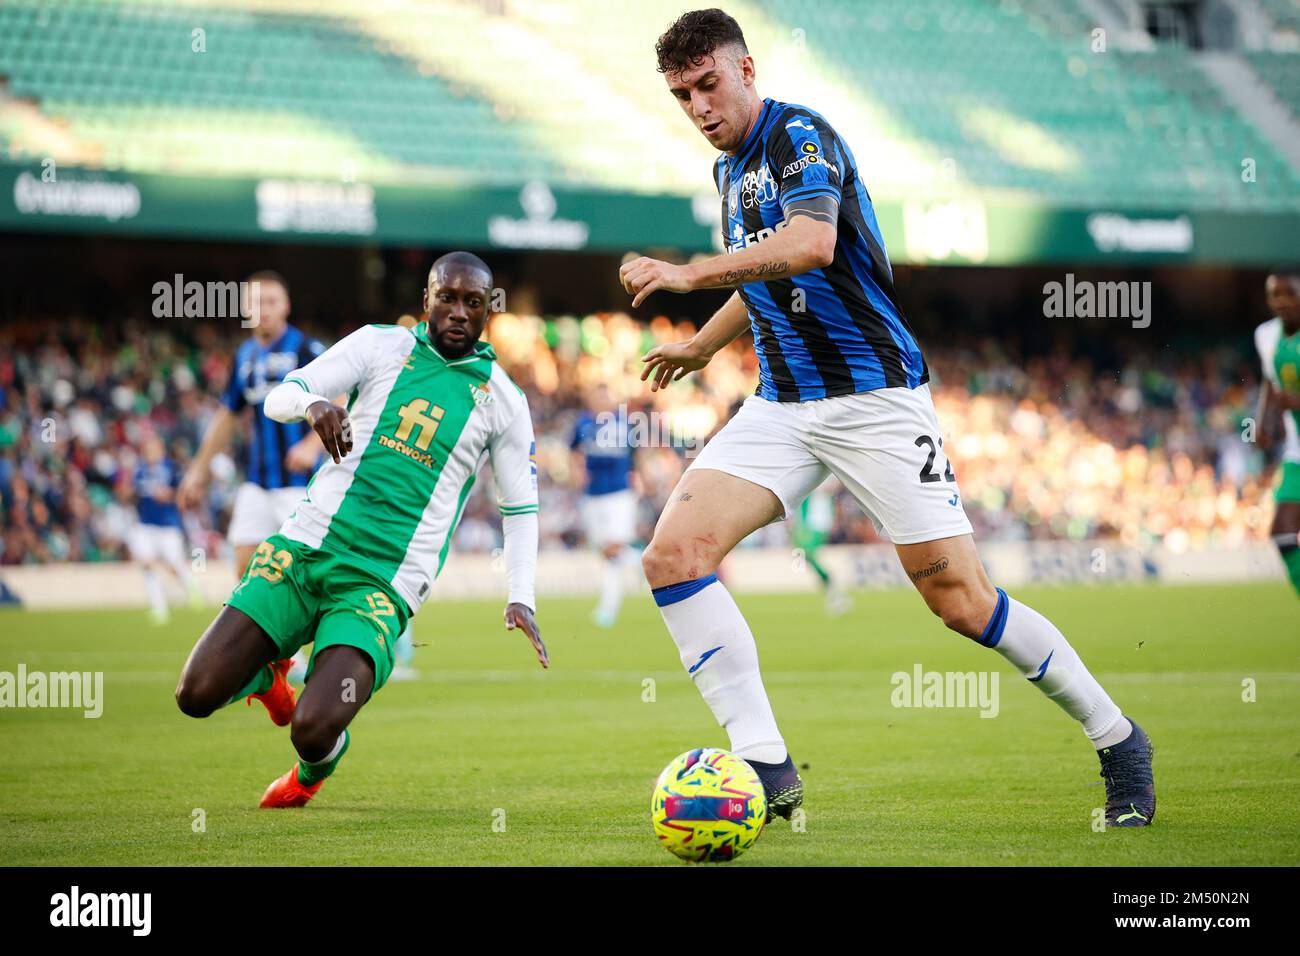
{"points": [[1051, 448], [1012, 93], [1281, 71]]}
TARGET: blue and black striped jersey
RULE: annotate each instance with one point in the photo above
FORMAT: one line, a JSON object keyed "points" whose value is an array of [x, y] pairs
{"points": [[151, 481], [258, 369], [832, 331]]}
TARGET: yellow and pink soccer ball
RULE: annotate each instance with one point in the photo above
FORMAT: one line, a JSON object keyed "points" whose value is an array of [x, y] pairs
{"points": [[708, 806]]}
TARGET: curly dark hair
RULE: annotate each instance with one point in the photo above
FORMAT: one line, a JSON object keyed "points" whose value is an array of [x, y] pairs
{"points": [[694, 36]]}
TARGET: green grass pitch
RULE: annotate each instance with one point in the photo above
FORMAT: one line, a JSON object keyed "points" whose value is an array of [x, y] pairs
{"points": [[570, 755]]}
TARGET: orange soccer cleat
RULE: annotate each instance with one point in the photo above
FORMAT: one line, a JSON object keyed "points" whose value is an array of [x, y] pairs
{"points": [[286, 791], [281, 699]]}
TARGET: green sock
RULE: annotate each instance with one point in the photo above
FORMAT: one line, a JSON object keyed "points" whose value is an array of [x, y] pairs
{"points": [[819, 570], [1291, 558], [258, 683], [309, 773]]}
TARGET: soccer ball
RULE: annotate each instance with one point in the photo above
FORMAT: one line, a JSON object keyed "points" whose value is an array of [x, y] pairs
{"points": [[708, 806]]}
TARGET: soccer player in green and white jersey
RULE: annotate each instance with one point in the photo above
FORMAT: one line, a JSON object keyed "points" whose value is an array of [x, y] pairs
{"points": [[358, 556], [1278, 344], [812, 529]]}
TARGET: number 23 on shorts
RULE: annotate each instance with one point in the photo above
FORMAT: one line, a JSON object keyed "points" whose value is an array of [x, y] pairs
{"points": [[269, 563]]}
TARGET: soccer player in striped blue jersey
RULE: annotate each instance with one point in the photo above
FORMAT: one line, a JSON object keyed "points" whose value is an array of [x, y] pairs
{"points": [[157, 540], [843, 390], [279, 458], [603, 452]]}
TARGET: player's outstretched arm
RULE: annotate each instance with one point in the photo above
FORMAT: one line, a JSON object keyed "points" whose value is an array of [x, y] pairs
{"points": [[217, 438], [343, 367], [668, 363], [806, 243], [514, 469], [291, 402], [303, 454]]}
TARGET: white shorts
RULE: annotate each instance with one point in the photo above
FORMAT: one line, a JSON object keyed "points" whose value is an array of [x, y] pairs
{"points": [[156, 542], [884, 446], [609, 518], [259, 512]]}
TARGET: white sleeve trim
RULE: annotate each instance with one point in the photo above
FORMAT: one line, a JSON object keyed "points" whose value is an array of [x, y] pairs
{"points": [[289, 401], [1267, 335]]}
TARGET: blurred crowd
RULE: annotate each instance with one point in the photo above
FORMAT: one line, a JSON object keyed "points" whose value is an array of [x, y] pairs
{"points": [[1043, 447]]}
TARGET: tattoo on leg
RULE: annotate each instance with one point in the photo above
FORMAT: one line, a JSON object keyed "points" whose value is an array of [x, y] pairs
{"points": [[686, 496], [936, 567]]}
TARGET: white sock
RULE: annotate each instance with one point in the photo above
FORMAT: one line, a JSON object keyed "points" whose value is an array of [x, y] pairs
{"points": [[611, 586], [153, 587], [1041, 653], [718, 651]]}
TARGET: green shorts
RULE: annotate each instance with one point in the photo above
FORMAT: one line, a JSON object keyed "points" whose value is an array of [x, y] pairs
{"points": [[1289, 488], [299, 594]]}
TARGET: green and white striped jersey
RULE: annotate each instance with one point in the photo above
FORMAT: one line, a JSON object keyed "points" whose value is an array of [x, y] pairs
{"points": [[1279, 354], [422, 426]]}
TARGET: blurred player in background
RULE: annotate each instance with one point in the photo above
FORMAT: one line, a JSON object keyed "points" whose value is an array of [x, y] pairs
{"points": [[360, 554], [157, 541], [280, 457], [603, 464], [812, 529], [1278, 344], [843, 390]]}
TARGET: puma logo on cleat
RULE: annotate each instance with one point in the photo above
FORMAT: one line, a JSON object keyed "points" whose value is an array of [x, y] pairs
{"points": [[1130, 816]]}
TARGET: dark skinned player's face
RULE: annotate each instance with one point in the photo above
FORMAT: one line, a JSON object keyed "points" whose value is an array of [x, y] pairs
{"points": [[457, 301], [1283, 296]]}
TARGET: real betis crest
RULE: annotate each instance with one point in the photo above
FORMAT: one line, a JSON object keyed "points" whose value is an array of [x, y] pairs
{"points": [[481, 394]]}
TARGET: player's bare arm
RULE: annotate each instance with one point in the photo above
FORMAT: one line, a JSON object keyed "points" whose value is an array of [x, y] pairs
{"points": [[805, 244], [668, 363], [511, 453], [217, 438]]}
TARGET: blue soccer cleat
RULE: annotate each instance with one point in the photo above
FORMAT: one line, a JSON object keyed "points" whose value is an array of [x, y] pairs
{"points": [[782, 785], [1130, 787]]}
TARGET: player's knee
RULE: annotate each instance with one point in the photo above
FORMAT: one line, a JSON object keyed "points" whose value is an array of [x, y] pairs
{"points": [[313, 736], [960, 610], [195, 698], [966, 620], [669, 561], [654, 564]]}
